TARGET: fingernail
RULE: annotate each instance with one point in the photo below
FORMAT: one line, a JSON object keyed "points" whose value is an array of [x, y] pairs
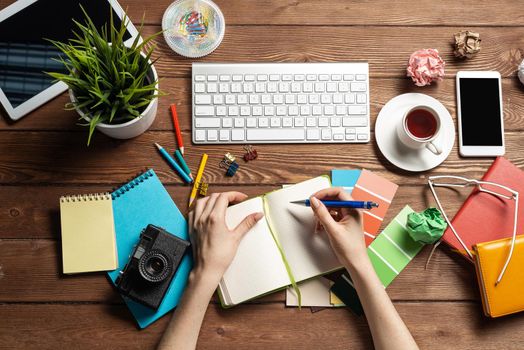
{"points": [[259, 216], [314, 202]]}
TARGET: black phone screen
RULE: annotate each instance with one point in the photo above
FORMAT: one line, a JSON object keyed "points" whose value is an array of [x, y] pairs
{"points": [[480, 112]]}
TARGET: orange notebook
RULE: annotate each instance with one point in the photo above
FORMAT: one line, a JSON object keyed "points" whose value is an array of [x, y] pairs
{"points": [[508, 296], [484, 217]]}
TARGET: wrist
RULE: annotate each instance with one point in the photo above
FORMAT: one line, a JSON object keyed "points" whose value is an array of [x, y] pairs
{"points": [[358, 262], [204, 277]]}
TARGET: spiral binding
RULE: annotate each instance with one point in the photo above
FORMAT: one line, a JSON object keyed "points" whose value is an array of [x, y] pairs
{"points": [[85, 197], [132, 183]]}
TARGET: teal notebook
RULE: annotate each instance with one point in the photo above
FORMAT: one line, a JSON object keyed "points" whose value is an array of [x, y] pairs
{"points": [[389, 253], [345, 178], [140, 202]]}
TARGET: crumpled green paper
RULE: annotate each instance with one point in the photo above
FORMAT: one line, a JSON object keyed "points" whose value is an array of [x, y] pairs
{"points": [[427, 226]]}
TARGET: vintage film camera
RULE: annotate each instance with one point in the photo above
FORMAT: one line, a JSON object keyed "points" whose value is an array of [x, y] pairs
{"points": [[151, 266]]}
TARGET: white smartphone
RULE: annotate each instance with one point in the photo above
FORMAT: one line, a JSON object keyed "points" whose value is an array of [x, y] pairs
{"points": [[480, 119]]}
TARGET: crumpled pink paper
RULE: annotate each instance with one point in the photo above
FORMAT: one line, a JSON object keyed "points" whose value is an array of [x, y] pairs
{"points": [[425, 66]]}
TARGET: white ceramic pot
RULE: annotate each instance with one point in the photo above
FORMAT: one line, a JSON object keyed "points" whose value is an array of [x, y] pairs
{"points": [[134, 127]]}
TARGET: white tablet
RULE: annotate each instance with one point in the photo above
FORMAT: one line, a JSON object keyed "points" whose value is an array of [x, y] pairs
{"points": [[480, 118], [25, 54]]}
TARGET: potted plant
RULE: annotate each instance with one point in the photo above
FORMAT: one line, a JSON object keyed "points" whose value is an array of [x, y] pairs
{"points": [[112, 86]]}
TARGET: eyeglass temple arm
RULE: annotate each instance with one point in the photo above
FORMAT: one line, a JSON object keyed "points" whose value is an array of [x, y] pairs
{"points": [[513, 238]]}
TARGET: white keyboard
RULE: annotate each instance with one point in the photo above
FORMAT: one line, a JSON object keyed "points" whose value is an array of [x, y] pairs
{"points": [[280, 103]]}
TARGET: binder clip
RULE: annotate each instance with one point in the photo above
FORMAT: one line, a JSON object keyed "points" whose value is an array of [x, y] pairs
{"points": [[229, 164], [202, 188], [251, 153]]}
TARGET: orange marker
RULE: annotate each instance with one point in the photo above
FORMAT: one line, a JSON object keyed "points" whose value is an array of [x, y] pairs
{"points": [[174, 115]]}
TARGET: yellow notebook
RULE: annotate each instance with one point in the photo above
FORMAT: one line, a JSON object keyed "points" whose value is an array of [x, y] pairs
{"points": [[508, 296], [88, 233]]}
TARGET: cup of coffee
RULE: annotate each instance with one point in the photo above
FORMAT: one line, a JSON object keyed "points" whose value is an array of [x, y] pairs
{"points": [[420, 128]]}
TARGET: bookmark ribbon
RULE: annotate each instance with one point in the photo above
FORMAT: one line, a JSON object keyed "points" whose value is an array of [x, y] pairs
{"points": [[282, 255]]}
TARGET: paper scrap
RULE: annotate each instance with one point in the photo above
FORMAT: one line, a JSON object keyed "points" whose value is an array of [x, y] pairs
{"points": [[467, 44], [427, 226]]}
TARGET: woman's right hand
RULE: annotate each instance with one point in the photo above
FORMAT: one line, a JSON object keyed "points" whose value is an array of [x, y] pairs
{"points": [[345, 234]]}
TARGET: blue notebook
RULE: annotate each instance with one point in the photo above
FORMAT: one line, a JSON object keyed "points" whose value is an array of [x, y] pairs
{"points": [[140, 202]]}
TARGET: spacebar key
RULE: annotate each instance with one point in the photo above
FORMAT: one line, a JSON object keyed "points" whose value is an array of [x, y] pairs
{"points": [[276, 134]]}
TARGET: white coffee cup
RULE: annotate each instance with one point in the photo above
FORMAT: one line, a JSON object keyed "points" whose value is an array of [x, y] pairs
{"points": [[411, 140]]}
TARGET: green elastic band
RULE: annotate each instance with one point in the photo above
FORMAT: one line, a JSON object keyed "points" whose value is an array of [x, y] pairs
{"points": [[282, 255]]}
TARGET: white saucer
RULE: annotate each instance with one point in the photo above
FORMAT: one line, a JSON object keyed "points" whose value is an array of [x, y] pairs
{"points": [[396, 152]]}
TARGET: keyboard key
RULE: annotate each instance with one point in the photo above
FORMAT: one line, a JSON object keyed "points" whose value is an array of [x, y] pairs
{"points": [[274, 122], [313, 134], [305, 110], [311, 121], [319, 87], [248, 87], [200, 78], [313, 99], [200, 87], [237, 77], [317, 110], [249, 77], [263, 122], [311, 77], [341, 110], [236, 87], [200, 135], [335, 121], [361, 98], [223, 87], [266, 99], [326, 134], [224, 135], [283, 87], [245, 110], [232, 110], [349, 77], [239, 122], [336, 77], [331, 87], [227, 122], [276, 134], [323, 77], [204, 110], [325, 99], [225, 78], [351, 137], [251, 122], [242, 99], [212, 87], [274, 77], [287, 77], [260, 87], [296, 87], [338, 137], [212, 135], [202, 99], [212, 77], [230, 99], [350, 131], [299, 77], [338, 98], [254, 99], [329, 110], [257, 110], [281, 110], [269, 110], [272, 87], [238, 134], [299, 121], [307, 87], [354, 121], [323, 121], [262, 77], [350, 98], [221, 110], [362, 137], [293, 110], [343, 87], [301, 99], [358, 87], [360, 77], [286, 122], [357, 109], [290, 99]]}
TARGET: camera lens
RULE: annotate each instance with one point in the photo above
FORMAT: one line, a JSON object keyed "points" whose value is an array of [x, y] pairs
{"points": [[154, 266]]}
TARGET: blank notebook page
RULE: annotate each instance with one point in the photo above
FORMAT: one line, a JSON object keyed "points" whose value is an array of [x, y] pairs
{"points": [[257, 267], [309, 254], [88, 233]]}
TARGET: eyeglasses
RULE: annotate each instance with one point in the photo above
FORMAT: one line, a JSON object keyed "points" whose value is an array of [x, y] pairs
{"points": [[492, 188]]}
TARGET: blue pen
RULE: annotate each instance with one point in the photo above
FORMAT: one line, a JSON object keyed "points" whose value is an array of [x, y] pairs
{"points": [[341, 204], [172, 162]]}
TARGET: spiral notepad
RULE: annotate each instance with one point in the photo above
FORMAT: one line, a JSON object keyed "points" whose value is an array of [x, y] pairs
{"points": [[140, 202], [88, 233]]}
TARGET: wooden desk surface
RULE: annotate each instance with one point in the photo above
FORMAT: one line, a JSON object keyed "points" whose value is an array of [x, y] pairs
{"points": [[44, 156]]}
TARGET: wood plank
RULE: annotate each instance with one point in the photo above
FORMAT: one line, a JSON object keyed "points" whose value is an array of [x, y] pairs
{"points": [[30, 271], [387, 50], [340, 12], [62, 158], [52, 115], [451, 325]]}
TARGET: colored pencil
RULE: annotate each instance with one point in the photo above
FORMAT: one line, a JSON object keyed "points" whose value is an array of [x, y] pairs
{"points": [[180, 159], [178, 133], [200, 172], [173, 164]]}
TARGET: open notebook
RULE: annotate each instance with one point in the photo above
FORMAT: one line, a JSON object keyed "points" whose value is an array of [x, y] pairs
{"points": [[285, 234]]}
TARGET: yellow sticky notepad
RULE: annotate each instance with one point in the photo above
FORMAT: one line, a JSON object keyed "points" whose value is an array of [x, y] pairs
{"points": [[88, 233]]}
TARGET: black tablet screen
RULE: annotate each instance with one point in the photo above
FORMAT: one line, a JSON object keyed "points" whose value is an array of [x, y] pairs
{"points": [[24, 52]]}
